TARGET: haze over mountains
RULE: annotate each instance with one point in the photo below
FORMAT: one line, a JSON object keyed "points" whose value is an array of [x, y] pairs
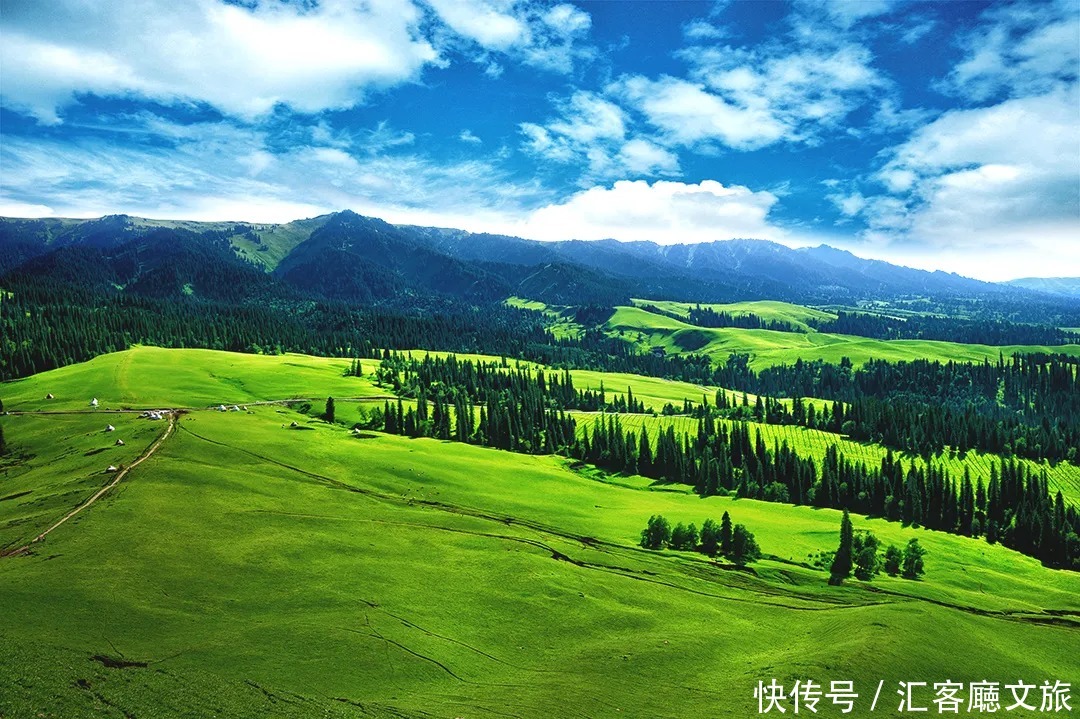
{"points": [[349, 257]]}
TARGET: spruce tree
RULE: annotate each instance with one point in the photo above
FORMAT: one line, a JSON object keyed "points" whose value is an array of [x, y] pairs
{"points": [[841, 566], [893, 559], [330, 414], [725, 534]]}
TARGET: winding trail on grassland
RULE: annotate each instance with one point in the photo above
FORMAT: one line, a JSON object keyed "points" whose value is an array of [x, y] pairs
{"points": [[1061, 618], [149, 452]]}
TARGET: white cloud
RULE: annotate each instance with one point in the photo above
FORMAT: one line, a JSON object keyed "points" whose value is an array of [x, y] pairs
{"points": [[241, 60], [642, 157], [594, 130], [13, 208], [1041, 132], [204, 171], [687, 114], [1021, 49], [998, 179], [663, 212], [587, 117], [749, 98], [468, 137], [557, 41], [492, 25], [246, 59], [849, 205], [703, 30], [1047, 250], [541, 35], [846, 13], [889, 117]]}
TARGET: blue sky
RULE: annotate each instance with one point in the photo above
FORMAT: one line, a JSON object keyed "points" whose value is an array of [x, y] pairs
{"points": [[938, 135]]}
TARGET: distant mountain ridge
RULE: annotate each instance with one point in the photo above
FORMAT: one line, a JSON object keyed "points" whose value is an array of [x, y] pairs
{"points": [[348, 257], [1066, 286]]}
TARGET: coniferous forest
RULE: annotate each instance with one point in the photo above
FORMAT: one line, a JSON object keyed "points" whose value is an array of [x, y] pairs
{"points": [[525, 411]]}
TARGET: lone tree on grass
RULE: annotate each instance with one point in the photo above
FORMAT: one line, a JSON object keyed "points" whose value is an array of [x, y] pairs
{"points": [[744, 547], [657, 534], [841, 566], [330, 413], [913, 562], [893, 558]]}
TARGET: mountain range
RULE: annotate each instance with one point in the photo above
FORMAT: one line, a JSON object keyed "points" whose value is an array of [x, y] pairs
{"points": [[348, 257]]}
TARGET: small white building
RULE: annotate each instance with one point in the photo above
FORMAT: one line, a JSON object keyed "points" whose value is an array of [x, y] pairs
{"points": [[112, 468], [119, 443], [93, 402], [110, 428]]}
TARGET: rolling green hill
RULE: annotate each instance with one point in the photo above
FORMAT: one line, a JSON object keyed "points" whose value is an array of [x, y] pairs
{"points": [[796, 315], [248, 568], [769, 347]]}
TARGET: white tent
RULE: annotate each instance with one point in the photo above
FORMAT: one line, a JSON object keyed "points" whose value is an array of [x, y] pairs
{"points": [[93, 402], [110, 428]]}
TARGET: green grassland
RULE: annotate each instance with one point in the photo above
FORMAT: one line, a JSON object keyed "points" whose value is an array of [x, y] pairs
{"points": [[771, 310], [768, 347], [59, 461], [156, 377], [272, 244], [561, 319], [814, 443], [383, 571], [249, 569], [153, 377]]}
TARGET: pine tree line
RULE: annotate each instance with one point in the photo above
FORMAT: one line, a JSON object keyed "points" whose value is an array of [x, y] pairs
{"points": [[525, 411], [927, 327], [1027, 405]]}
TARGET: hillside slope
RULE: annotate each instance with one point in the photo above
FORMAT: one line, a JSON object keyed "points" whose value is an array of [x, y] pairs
{"points": [[370, 575]]}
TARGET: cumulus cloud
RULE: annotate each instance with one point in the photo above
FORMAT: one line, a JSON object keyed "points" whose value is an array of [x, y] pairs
{"points": [[685, 113], [1002, 176], [664, 212], [595, 131], [245, 59], [242, 60]]}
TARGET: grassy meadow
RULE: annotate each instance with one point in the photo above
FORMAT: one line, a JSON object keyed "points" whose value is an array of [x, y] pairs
{"points": [[770, 347], [252, 569]]}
